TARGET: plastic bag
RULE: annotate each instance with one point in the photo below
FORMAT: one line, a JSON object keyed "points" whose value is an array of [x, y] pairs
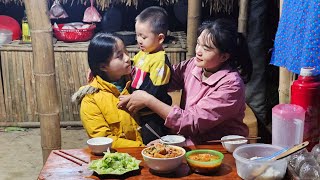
{"points": [[57, 11], [91, 14]]}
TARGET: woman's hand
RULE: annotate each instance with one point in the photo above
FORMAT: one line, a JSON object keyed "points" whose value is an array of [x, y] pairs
{"points": [[136, 101]]}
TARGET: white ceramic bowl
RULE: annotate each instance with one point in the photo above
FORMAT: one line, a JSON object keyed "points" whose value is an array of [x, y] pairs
{"points": [[5, 36], [249, 169], [98, 145], [176, 140], [230, 146], [163, 165]]}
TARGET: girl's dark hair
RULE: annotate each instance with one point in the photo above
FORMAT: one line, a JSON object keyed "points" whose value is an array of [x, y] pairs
{"points": [[100, 52], [224, 36]]}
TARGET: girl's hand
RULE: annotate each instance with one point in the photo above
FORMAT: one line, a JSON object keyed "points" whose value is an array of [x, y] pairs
{"points": [[137, 101]]}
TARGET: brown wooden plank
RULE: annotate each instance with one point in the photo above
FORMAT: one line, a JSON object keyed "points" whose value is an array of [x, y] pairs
{"points": [[2, 103], [11, 80], [6, 85], [29, 91], [64, 87], [69, 86], [58, 71], [21, 110]]}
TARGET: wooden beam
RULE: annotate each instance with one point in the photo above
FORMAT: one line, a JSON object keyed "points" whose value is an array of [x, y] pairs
{"points": [[44, 75], [194, 16]]}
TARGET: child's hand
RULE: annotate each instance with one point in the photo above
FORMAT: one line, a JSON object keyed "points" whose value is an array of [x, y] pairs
{"points": [[124, 99], [136, 101]]}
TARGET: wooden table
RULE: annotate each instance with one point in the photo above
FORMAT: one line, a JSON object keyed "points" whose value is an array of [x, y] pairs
{"points": [[57, 167]]}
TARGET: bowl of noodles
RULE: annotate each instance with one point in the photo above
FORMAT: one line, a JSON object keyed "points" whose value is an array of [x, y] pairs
{"points": [[204, 161], [163, 158]]}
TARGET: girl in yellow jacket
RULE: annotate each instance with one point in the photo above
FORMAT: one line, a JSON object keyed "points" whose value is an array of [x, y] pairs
{"points": [[110, 66]]}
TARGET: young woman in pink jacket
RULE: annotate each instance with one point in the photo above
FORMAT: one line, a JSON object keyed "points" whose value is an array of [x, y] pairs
{"points": [[213, 99]]}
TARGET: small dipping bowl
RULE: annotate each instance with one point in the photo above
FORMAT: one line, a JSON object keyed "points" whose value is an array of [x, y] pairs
{"points": [[199, 162], [176, 140], [98, 145], [230, 146]]}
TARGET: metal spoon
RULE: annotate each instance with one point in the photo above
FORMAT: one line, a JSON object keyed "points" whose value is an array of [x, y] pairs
{"points": [[155, 133]]}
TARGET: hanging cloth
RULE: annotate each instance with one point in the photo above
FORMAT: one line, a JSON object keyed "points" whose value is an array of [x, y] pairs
{"points": [[297, 42], [91, 14], [57, 11]]}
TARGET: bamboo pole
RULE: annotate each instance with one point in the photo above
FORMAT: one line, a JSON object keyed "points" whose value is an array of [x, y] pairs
{"points": [[242, 19], [37, 124], [285, 79], [44, 74], [194, 15]]}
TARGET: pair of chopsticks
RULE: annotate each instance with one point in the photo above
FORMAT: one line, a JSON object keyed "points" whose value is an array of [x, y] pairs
{"points": [[65, 155], [235, 139]]}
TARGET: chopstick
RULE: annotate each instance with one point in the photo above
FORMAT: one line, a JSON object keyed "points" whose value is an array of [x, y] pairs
{"points": [[66, 157], [235, 139], [74, 156]]}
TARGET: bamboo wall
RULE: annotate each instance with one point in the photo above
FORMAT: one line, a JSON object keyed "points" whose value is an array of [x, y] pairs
{"points": [[17, 89]]}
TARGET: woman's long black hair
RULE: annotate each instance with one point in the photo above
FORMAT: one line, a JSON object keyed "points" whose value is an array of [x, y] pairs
{"points": [[100, 51], [224, 36]]}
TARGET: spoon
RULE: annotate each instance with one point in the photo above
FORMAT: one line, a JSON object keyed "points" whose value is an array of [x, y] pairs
{"points": [[155, 133]]}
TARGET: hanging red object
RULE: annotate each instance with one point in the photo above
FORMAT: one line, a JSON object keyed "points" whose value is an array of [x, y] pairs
{"points": [[8, 23], [305, 92]]}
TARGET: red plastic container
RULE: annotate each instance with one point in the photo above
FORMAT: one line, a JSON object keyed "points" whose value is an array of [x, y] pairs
{"points": [[305, 92], [8, 23], [73, 35]]}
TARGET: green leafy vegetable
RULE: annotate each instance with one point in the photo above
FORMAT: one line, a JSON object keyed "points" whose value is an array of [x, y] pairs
{"points": [[114, 163]]}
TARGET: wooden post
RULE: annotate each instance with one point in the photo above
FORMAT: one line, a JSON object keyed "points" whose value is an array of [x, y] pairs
{"points": [[44, 74], [285, 79], [194, 15]]}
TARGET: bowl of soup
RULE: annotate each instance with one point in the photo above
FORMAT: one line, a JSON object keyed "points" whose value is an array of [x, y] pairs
{"points": [[163, 158], [204, 161]]}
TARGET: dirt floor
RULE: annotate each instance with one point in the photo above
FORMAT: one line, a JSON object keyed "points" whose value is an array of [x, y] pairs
{"points": [[21, 153]]}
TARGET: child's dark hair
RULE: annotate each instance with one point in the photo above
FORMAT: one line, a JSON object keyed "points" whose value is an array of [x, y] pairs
{"points": [[157, 17], [224, 36], [100, 51]]}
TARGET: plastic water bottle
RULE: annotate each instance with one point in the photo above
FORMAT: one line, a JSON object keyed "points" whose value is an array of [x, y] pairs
{"points": [[305, 92], [26, 37]]}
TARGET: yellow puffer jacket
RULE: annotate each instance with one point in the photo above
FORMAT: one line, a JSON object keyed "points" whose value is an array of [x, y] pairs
{"points": [[100, 115]]}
